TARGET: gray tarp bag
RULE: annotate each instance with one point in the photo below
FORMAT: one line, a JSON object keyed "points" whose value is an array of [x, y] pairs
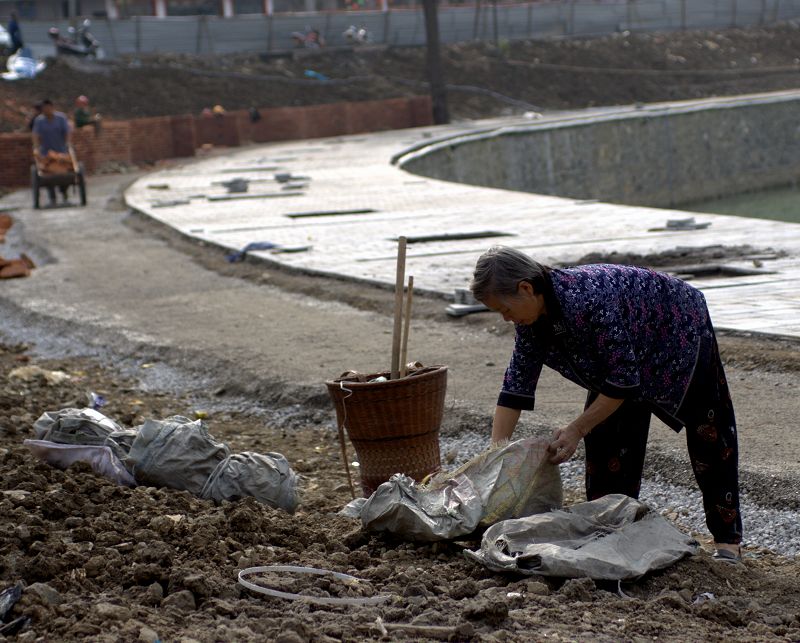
{"points": [[268, 478], [120, 442], [514, 479], [612, 538], [85, 427], [176, 452]]}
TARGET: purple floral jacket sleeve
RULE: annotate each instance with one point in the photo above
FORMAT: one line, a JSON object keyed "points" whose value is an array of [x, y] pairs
{"points": [[522, 374]]}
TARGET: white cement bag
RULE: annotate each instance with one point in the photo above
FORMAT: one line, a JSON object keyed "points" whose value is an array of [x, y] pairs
{"points": [[613, 538], [100, 458], [176, 452], [268, 478], [512, 480], [74, 426]]}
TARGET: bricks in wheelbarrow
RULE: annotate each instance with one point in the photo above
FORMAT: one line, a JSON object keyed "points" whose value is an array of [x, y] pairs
{"points": [[13, 268]]}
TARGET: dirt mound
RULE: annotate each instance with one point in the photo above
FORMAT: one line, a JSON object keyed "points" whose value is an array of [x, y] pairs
{"points": [[118, 564], [619, 69]]}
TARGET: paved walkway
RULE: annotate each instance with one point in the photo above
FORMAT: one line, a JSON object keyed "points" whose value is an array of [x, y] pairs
{"points": [[337, 205]]}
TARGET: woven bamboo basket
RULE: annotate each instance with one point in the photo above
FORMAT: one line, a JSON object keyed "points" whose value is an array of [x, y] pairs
{"points": [[393, 425]]}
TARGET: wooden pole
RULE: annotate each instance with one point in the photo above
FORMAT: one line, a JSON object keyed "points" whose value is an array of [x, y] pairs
{"points": [[398, 306], [404, 347], [345, 462]]}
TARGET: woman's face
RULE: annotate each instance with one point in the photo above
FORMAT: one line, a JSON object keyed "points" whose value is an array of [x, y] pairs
{"points": [[524, 308]]}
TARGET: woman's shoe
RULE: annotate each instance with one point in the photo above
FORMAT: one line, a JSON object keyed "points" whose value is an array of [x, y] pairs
{"points": [[727, 556]]}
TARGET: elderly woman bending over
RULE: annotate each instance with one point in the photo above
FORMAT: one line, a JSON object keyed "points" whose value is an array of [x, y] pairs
{"points": [[641, 343]]}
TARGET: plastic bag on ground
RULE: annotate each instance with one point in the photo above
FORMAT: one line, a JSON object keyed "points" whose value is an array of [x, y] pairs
{"points": [[120, 442], [268, 478], [100, 458], [612, 538], [75, 426], [512, 480], [176, 452]]}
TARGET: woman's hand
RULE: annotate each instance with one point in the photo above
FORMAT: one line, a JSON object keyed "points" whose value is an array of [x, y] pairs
{"points": [[564, 444], [565, 441]]}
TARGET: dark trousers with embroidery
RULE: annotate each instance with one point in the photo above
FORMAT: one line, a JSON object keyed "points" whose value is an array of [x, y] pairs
{"points": [[615, 449]]}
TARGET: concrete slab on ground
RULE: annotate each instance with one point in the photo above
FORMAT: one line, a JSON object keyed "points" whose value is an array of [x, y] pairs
{"points": [[337, 206]]}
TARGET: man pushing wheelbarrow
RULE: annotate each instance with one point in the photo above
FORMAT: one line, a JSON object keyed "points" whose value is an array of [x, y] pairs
{"points": [[54, 162]]}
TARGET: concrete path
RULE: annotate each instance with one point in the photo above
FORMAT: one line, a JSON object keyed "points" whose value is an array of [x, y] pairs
{"points": [[342, 204]]}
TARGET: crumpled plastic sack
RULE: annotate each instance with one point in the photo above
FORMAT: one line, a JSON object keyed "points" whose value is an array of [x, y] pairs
{"points": [[121, 442], [515, 479], [100, 458], [176, 452], [268, 478], [612, 538], [75, 426]]}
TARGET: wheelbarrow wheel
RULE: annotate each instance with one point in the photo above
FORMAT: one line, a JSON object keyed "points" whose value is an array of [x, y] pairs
{"points": [[35, 186], [81, 184]]}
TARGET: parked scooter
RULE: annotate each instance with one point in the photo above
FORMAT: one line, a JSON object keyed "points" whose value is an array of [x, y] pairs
{"points": [[357, 35], [77, 42], [308, 39]]}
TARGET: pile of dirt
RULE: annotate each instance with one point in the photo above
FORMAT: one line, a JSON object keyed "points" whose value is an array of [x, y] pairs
{"points": [[620, 69], [117, 564]]}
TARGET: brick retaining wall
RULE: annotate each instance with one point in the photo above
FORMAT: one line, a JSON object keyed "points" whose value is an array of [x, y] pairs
{"points": [[147, 140]]}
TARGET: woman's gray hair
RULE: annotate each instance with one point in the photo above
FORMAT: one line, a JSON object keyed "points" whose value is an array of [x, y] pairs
{"points": [[500, 270]]}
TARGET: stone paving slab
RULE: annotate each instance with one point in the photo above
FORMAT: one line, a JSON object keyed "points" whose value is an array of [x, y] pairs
{"points": [[355, 174]]}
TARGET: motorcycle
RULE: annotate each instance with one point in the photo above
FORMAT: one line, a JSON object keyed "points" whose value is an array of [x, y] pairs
{"points": [[77, 42], [308, 39], [356, 35]]}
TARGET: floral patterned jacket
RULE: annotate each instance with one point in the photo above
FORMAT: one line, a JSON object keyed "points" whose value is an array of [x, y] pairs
{"points": [[621, 331]]}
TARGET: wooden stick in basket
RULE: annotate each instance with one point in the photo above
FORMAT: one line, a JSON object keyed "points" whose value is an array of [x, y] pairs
{"points": [[398, 306], [407, 324]]}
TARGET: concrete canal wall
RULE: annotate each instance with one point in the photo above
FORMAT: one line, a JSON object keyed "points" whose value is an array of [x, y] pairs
{"points": [[659, 155]]}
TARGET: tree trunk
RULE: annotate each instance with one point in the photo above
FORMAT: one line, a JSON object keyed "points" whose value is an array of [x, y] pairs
{"points": [[434, 63]]}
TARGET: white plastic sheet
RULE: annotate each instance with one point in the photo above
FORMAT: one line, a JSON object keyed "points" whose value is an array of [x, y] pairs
{"points": [[23, 65], [100, 458]]}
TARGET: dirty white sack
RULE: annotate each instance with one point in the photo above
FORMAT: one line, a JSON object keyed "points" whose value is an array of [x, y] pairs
{"points": [[612, 538], [511, 480], [75, 426]]}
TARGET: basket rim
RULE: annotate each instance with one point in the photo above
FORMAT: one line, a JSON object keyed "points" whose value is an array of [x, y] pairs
{"points": [[429, 372]]}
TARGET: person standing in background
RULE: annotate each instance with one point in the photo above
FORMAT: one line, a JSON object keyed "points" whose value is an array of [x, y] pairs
{"points": [[15, 33]]}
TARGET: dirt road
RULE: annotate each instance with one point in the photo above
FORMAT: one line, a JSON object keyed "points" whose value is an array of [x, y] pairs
{"points": [[116, 291]]}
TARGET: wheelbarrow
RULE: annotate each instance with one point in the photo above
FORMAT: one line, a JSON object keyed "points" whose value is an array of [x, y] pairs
{"points": [[41, 177]]}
